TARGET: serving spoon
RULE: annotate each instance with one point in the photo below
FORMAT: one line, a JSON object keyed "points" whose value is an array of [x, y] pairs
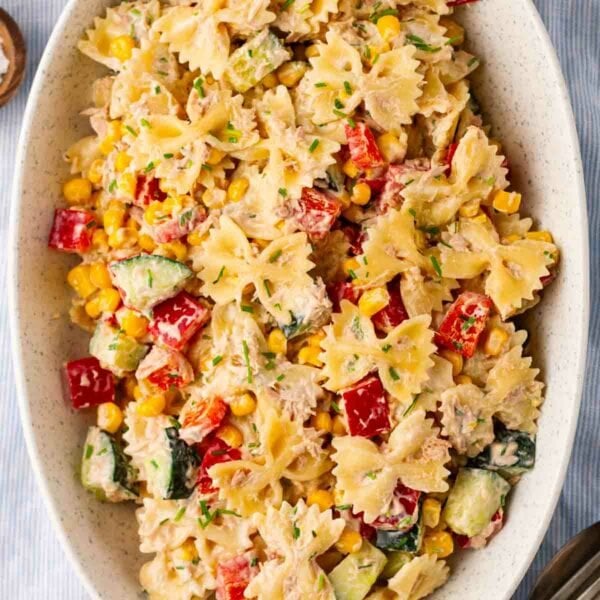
{"points": [[15, 50], [574, 572]]}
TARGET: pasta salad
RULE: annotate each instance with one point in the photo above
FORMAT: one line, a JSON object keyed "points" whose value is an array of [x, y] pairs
{"points": [[301, 257]]}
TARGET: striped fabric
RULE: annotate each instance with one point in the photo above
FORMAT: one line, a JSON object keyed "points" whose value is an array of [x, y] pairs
{"points": [[33, 566]]}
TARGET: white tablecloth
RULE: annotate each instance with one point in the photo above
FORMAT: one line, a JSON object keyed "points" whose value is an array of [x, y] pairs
{"points": [[32, 564]]}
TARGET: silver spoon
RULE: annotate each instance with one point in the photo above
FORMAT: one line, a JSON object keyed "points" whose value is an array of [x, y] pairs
{"points": [[574, 572]]}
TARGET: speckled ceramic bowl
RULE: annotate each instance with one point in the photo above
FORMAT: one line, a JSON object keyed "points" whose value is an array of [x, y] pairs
{"points": [[523, 95]]}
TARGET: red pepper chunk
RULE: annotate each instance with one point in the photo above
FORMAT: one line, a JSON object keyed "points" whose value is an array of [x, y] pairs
{"points": [[342, 290], [453, 3], [72, 230], [366, 407], [449, 156], [464, 323], [403, 512], [165, 368], [89, 384], [364, 151], [317, 212], [213, 451], [204, 415], [177, 319], [147, 190], [393, 314], [234, 575]]}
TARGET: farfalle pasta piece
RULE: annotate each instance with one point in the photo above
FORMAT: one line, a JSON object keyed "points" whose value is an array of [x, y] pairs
{"points": [[367, 474], [246, 18], [302, 19], [423, 295], [83, 153], [295, 536], [439, 380]]}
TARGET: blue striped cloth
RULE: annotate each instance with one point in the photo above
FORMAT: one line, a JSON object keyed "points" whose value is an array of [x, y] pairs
{"points": [[32, 564]]}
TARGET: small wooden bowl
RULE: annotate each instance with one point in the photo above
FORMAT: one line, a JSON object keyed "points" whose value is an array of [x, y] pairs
{"points": [[14, 47]]}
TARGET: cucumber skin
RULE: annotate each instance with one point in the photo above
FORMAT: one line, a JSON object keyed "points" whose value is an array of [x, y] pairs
{"points": [[407, 541], [183, 458], [525, 454], [116, 351]]}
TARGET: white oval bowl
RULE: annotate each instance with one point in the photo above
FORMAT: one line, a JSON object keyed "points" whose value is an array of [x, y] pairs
{"points": [[523, 95]]}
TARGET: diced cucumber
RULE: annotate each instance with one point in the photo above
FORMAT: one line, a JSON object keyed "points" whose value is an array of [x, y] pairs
{"points": [[258, 57], [474, 499], [407, 541], [105, 470], [148, 279], [395, 561], [116, 351], [172, 469], [355, 575], [511, 453]]}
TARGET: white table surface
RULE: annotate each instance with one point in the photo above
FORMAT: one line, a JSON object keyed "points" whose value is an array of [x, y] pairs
{"points": [[32, 563]]}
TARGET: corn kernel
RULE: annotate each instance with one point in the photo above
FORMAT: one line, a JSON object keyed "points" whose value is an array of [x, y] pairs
{"points": [[78, 191], [374, 300], [215, 156], [480, 217], [107, 145], [312, 51], [349, 266], [290, 73], [391, 148], [322, 421], [310, 355], [231, 435], [79, 279], [113, 220], [108, 300], [494, 341], [100, 276], [270, 81], [137, 393], [388, 27], [350, 169], [146, 243], [100, 240], [134, 324], [92, 308], [175, 249], [123, 238], [316, 338], [154, 213], [469, 209], [187, 552], [128, 183], [440, 543], [322, 498], [350, 541], [277, 342], [462, 380], [506, 202], [338, 427], [152, 406], [122, 161], [237, 188], [195, 238], [431, 510], [242, 406], [511, 239], [540, 236], [361, 194], [110, 417], [454, 32], [115, 130], [122, 47], [455, 359], [95, 171]]}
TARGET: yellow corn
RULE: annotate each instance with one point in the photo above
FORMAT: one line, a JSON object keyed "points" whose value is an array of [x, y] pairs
{"points": [[322, 498], [277, 342], [495, 340], [115, 130], [455, 359], [237, 188], [322, 421], [127, 184], [310, 355], [290, 73], [195, 238], [107, 145], [152, 406], [350, 541], [470, 209], [122, 47], [506, 202], [349, 266], [79, 279], [540, 236], [361, 194], [137, 393], [215, 156], [312, 51], [390, 147], [511, 239], [338, 427], [350, 169], [123, 238], [374, 300], [154, 213], [187, 552], [92, 308], [480, 217], [231, 435], [100, 240], [95, 171], [462, 379], [242, 406], [175, 249], [108, 300], [110, 417], [431, 510], [388, 27], [270, 80], [146, 243], [113, 219], [316, 338], [438, 542], [173, 204], [122, 161], [100, 276], [132, 224], [78, 191], [134, 324]]}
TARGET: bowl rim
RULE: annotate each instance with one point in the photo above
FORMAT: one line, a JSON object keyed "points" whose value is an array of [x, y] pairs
{"points": [[37, 88]]}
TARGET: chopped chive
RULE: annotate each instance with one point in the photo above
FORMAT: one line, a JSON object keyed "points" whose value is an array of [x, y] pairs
{"points": [[282, 192], [347, 88], [344, 506], [150, 279], [131, 130], [351, 122], [338, 103], [339, 113], [216, 360], [382, 13], [154, 463], [412, 212], [149, 167], [393, 374], [146, 124], [246, 352], [320, 84], [157, 89], [275, 256], [113, 186], [336, 407], [472, 61], [280, 377], [179, 514], [89, 450], [295, 532], [267, 288], [313, 146], [386, 348], [198, 87], [247, 308], [287, 4], [436, 265], [168, 155], [412, 404], [206, 167], [163, 521], [421, 44], [221, 272]]}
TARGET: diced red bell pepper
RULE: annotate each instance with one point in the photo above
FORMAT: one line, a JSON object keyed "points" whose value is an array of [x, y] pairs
{"points": [[205, 415], [213, 451], [317, 212], [395, 181], [366, 407], [176, 228], [165, 368], [449, 156], [403, 512], [177, 319], [453, 3], [148, 190], [364, 151], [481, 540], [375, 179], [464, 323], [393, 314], [89, 384], [342, 290], [234, 575], [72, 230]]}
